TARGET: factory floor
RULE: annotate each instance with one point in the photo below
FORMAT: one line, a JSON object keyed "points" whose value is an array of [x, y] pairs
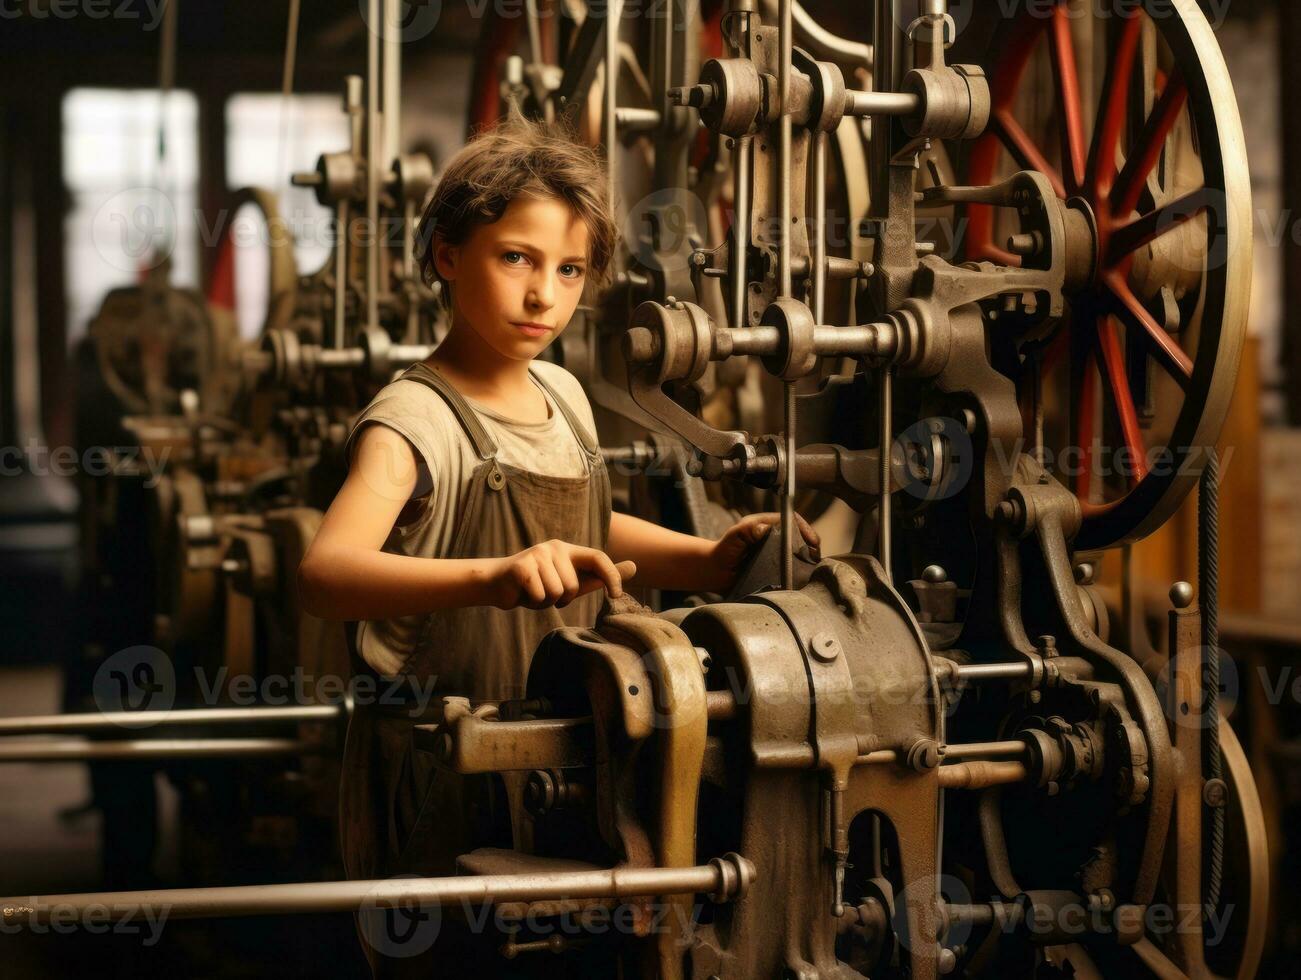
{"points": [[51, 844]]}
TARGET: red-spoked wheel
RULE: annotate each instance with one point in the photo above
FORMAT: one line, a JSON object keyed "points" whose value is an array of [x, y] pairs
{"points": [[1135, 381]]}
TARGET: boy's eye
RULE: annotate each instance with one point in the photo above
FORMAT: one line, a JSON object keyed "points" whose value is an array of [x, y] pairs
{"points": [[573, 270], [511, 257]]}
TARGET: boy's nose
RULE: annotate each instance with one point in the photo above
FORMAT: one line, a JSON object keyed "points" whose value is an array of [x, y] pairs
{"points": [[541, 293]]}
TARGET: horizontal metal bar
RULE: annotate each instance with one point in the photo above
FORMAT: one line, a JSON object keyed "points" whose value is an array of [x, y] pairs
{"points": [[79, 750], [978, 750], [724, 878], [979, 775], [118, 721], [881, 103], [978, 672]]}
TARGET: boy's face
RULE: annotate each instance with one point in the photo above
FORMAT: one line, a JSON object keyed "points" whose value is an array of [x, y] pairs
{"points": [[517, 281]]}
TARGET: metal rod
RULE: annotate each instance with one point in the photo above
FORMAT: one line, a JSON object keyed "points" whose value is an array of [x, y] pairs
{"points": [[819, 215], [886, 407], [980, 775], [613, 13], [976, 750], [392, 67], [785, 42], [726, 877], [181, 718], [788, 490], [742, 161], [977, 672], [372, 167], [881, 103], [340, 273], [80, 750]]}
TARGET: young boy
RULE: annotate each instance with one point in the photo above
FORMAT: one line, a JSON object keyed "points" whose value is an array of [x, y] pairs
{"points": [[476, 514]]}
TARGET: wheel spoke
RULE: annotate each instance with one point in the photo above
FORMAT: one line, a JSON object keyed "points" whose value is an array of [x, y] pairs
{"points": [[1024, 150], [1168, 353], [1069, 103], [1127, 239], [1147, 148], [1121, 396], [1111, 117]]}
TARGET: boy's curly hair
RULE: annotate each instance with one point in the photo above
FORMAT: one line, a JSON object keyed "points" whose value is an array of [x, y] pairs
{"points": [[519, 158]]}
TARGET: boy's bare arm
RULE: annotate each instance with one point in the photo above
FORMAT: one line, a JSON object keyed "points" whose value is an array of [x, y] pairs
{"points": [[671, 560], [345, 575]]}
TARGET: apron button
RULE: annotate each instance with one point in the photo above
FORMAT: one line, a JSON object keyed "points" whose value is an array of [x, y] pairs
{"points": [[496, 479]]}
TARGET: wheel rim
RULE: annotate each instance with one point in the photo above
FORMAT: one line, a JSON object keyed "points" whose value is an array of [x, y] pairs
{"points": [[1163, 174]]}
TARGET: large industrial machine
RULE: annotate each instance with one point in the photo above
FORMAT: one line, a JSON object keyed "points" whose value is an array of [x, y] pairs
{"points": [[974, 293]]}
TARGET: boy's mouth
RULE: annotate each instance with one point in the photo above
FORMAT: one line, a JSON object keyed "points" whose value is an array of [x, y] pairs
{"points": [[532, 329]]}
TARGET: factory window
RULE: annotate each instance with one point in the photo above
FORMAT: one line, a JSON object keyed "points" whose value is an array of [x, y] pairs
{"points": [[130, 204], [268, 138]]}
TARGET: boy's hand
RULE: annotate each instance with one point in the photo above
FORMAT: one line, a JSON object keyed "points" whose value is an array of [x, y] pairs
{"points": [[731, 550], [555, 573]]}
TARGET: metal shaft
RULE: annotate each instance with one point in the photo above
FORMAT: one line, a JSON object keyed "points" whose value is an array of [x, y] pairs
{"points": [[373, 153], [392, 81], [726, 877], [183, 718], [789, 420], [79, 750]]}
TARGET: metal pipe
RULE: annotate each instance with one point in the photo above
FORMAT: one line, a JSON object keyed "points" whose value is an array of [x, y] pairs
{"points": [[181, 718], [881, 103], [80, 750], [723, 878], [825, 46], [372, 167]]}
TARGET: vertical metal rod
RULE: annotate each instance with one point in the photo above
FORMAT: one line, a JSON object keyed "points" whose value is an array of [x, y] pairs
{"points": [[392, 82], [372, 167], [613, 13], [742, 160], [535, 32], [340, 272], [887, 477], [819, 219], [885, 41], [789, 420]]}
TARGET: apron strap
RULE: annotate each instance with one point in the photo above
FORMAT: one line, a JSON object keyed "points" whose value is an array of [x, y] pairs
{"points": [[585, 438], [484, 444]]}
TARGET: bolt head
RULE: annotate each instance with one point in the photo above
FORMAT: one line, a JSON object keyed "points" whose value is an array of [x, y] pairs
{"points": [[1181, 595], [934, 574]]}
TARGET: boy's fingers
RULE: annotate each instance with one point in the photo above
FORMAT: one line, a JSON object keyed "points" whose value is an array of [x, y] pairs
{"points": [[568, 578], [598, 564], [550, 581]]}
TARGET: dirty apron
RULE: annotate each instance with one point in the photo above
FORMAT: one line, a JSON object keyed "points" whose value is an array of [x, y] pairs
{"points": [[399, 813]]}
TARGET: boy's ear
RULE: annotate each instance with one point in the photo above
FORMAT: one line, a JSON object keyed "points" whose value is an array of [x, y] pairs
{"points": [[446, 258]]}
